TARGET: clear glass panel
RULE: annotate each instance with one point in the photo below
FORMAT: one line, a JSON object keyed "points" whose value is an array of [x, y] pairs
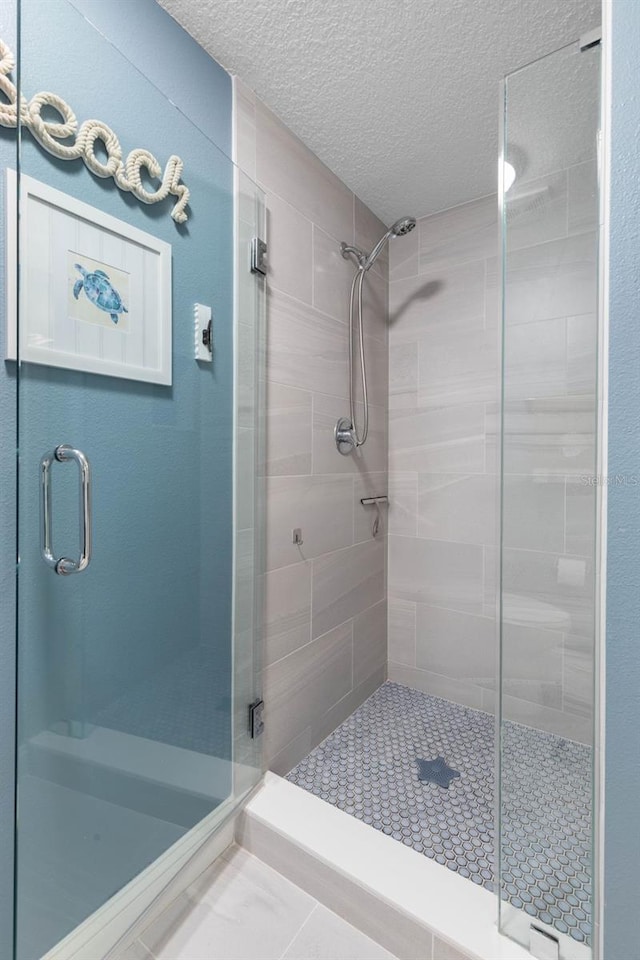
{"points": [[135, 674], [550, 272], [250, 434]]}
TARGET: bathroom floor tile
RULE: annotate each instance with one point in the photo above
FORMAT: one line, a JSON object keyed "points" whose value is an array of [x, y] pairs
{"points": [[326, 936], [368, 767], [240, 909]]}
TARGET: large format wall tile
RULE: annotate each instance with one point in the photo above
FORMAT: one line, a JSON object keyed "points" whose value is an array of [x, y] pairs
{"points": [[288, 447], [306, 348], [541, 717], [551, 358], [449, 688], [466, 232], [289, 236], [536, 362], [321, 506], [532, 664], [549, 589], [555, 279], [403, 374], [368, 230], [369, 642], [404, 258], [436, 572], [457, 507], [346, 582], [287, 167], [287, 610], [304, 685], [533, 510], [536, 211], [375, 305], [454, 644], [402, 631], [433, 439], [550, 435], [332, 276], [448, 294], [459, 363], [372, 457], [403, 504], [245, 127]]}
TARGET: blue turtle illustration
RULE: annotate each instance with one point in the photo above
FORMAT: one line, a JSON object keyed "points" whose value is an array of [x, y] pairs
{"points": [[99, 291]]}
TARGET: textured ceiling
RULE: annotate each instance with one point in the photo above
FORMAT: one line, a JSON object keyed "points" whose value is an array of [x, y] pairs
{"points": [[398, 97]]}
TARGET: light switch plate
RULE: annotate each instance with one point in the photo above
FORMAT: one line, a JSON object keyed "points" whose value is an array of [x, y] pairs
{"points": [[204, 334]]}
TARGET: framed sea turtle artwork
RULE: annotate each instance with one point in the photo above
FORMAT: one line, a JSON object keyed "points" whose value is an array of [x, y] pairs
{"points": [[94, 292]]}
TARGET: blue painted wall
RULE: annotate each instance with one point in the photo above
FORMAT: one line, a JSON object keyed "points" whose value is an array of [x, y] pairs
{"points": [[161, 456], [7, 576], [622, 783]]}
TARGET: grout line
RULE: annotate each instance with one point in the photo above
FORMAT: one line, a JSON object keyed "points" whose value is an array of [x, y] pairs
{"points": [[313, 431], [354, 493], [303, 646], [353, 217], [299, 930], [564, 517], [313, 265], [353, 656], [414, 613], [274, 193], [464, 543], [149, 951]]}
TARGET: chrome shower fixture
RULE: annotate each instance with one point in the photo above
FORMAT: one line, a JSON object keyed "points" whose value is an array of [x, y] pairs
{"points": [[365, 260], [346, 433]]}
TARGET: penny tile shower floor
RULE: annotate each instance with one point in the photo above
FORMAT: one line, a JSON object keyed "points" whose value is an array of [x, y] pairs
{"points": [[369, 768]]}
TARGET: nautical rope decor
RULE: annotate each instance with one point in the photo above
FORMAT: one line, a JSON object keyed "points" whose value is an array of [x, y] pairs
{"points": [[49, 133]]}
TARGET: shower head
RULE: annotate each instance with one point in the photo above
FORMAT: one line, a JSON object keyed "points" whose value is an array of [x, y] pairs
{"points": [[399, 229], [403, 226]]}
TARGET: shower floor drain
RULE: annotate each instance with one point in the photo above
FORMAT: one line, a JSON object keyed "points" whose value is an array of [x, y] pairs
{"points": [[367, 767], [436, 771]]}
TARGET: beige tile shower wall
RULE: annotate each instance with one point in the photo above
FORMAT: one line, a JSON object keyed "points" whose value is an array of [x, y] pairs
{"points": [[325, 646], [443, 438]]}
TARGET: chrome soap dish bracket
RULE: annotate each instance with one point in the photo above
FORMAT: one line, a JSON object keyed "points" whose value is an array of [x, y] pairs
{"points": [[375, 502]]}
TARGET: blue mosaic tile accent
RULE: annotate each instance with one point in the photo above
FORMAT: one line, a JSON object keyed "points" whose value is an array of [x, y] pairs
{"points": [[368, 768]]}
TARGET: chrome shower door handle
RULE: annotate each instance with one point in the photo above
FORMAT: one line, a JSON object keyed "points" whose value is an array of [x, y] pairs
{"points": [[63, 565]]}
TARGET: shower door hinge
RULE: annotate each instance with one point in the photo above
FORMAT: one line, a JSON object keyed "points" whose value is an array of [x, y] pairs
{"points": [[258, 256], [256, 718], [543, 945]]}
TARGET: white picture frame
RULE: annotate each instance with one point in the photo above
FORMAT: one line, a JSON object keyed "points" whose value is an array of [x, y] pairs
{"points": [[95, 292]]}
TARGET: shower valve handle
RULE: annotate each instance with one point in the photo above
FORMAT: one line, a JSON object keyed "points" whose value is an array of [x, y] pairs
{"points": [[345, 436]]}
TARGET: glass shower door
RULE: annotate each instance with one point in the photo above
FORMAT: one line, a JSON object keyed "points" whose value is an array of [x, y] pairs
{"points": [[134, 672], [550, 222]]}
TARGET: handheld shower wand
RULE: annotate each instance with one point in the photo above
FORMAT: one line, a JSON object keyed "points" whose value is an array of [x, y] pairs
{"points": [[346, 432]]}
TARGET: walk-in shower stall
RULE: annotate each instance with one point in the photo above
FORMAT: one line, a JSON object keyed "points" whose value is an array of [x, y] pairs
{"points": [[479, 753]]}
